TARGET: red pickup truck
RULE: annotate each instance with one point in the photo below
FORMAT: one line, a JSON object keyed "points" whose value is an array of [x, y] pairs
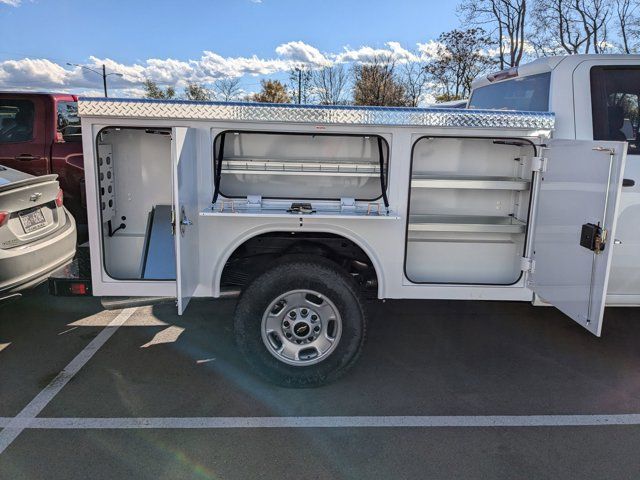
{"points": [[40, 134]]}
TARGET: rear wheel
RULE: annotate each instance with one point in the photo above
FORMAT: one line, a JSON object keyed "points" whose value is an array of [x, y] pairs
{"points": [[301, 323]]}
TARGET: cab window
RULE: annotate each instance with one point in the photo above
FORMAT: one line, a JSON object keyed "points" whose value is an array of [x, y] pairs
{"points": [[529, 93], [16, 121], [615, 98], [68, 123]]}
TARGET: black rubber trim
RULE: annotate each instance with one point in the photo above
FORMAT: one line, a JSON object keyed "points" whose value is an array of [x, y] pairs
{"points": [[218, 163], [269, 132], [406, 232], [383, 187]]}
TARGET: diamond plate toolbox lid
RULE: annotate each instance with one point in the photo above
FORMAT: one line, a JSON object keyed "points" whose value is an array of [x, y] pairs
{"points": [[314, 114]]}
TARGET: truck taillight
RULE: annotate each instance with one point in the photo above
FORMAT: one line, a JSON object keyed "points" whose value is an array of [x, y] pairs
{"points": [[4, 216], [59, 198]]}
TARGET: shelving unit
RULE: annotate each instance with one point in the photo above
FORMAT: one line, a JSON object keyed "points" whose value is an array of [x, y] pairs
{"points": [[300, 166], [467, 214]]}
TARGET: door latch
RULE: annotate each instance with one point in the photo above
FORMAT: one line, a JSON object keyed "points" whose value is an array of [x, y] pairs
{"points": [[184, 221], [593, 237]]}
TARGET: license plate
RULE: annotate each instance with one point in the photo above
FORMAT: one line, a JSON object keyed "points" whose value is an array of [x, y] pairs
{"points": [[33, 220]]}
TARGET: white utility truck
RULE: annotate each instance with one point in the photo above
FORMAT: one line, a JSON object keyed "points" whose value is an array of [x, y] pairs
{"points": [[307, 210]]}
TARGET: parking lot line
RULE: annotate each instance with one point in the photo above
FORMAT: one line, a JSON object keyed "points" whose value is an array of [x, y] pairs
{"points": [[17, 424], [465, 421]]}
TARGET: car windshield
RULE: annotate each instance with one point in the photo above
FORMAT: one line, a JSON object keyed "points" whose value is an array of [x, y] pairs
{"points": [[526, 93]]}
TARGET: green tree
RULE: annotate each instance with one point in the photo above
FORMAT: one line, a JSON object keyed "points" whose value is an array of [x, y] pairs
{"points": [[273, 91], [196, 92], [152, 90]]}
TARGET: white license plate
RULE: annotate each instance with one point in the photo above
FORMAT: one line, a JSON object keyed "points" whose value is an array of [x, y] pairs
{"points": [[32, 220]]}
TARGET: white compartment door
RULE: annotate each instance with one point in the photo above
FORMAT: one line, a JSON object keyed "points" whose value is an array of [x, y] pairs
{"points": [[581, 186], [185, 213]]}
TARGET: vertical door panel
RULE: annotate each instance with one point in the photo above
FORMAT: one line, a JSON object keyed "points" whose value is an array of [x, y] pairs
{"points": [[581, 185], [185, 213]]}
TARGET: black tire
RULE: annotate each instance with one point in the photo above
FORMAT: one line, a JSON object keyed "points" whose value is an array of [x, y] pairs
{"points": [[317, 274]]}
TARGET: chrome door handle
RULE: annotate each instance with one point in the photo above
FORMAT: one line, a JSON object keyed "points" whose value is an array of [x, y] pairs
{"points": [[25, 157]]}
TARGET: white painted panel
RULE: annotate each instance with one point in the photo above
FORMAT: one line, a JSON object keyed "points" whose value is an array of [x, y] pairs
{"points": [[475, 259], [185, 204], [581, 185]]}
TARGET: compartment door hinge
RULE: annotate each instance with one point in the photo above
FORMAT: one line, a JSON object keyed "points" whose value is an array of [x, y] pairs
{"points": [[527, 264], [347, 204], [254, 201], [539, 164]]}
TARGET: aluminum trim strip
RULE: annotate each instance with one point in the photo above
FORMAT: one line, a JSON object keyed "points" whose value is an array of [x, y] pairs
{"points": [[314, 114]]}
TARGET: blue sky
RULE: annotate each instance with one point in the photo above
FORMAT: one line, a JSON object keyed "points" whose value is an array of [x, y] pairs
{"points": [[242, 37]]}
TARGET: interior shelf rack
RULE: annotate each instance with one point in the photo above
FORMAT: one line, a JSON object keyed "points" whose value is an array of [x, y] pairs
{"points": [[469, 182], [268, 166], [464, 223]]}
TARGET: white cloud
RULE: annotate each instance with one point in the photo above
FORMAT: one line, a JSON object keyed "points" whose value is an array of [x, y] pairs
{"points": [[11, 3], [367, 54], [43, 74], [303, 53]]}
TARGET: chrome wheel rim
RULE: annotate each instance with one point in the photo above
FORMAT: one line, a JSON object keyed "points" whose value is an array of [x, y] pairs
{"points": [[301, 327]]}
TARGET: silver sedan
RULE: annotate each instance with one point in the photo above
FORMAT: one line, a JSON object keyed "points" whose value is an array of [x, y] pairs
{"points": [[37, 234]]}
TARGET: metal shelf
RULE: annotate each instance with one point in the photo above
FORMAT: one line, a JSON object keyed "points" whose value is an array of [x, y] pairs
{"points": [[266, 166], [463, 223], [478, 183]]}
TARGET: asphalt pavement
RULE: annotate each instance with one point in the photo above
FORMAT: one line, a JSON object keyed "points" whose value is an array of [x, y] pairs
{"points": [[444, 389]]}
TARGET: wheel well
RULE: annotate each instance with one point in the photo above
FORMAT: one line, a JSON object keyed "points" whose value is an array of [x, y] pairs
{"points": [[258, 253]]}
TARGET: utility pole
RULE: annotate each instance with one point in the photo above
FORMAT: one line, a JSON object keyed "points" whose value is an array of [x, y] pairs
{"points": [[104, 74], [104, 79], [299, 85]]}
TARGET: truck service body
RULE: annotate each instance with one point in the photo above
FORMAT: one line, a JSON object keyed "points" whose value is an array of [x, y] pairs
{"points": [[305, 209]]}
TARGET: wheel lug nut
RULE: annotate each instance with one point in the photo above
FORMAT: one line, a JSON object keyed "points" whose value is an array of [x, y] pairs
{"points": [[304, 312], [316, 329], [314, 318], [298, 342], [286, 324], [288, 335], [310, 339], [292, 314]]}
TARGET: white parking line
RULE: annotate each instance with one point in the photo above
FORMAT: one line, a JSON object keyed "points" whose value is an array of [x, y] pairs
{"points": [[491, 421], [21, 421]]}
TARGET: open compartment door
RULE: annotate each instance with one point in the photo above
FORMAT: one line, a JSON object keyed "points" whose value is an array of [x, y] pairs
{"points": [[185, 213], [574, 229]]}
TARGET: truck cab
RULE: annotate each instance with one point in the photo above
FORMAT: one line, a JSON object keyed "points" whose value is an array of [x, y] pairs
{"points": [[40, 134], [594, 97]]}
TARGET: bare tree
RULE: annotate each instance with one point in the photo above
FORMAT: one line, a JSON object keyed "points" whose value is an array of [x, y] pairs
{"points": [[376, 83], [227, 89], [300, 79], [571, 26], [330, 85], [506, 21], [414, 78], [461, 56], [628, 23]]}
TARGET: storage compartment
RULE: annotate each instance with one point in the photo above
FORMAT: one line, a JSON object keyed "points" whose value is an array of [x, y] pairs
{"points": [[468, 210], [135, 188], [299, 166]]}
